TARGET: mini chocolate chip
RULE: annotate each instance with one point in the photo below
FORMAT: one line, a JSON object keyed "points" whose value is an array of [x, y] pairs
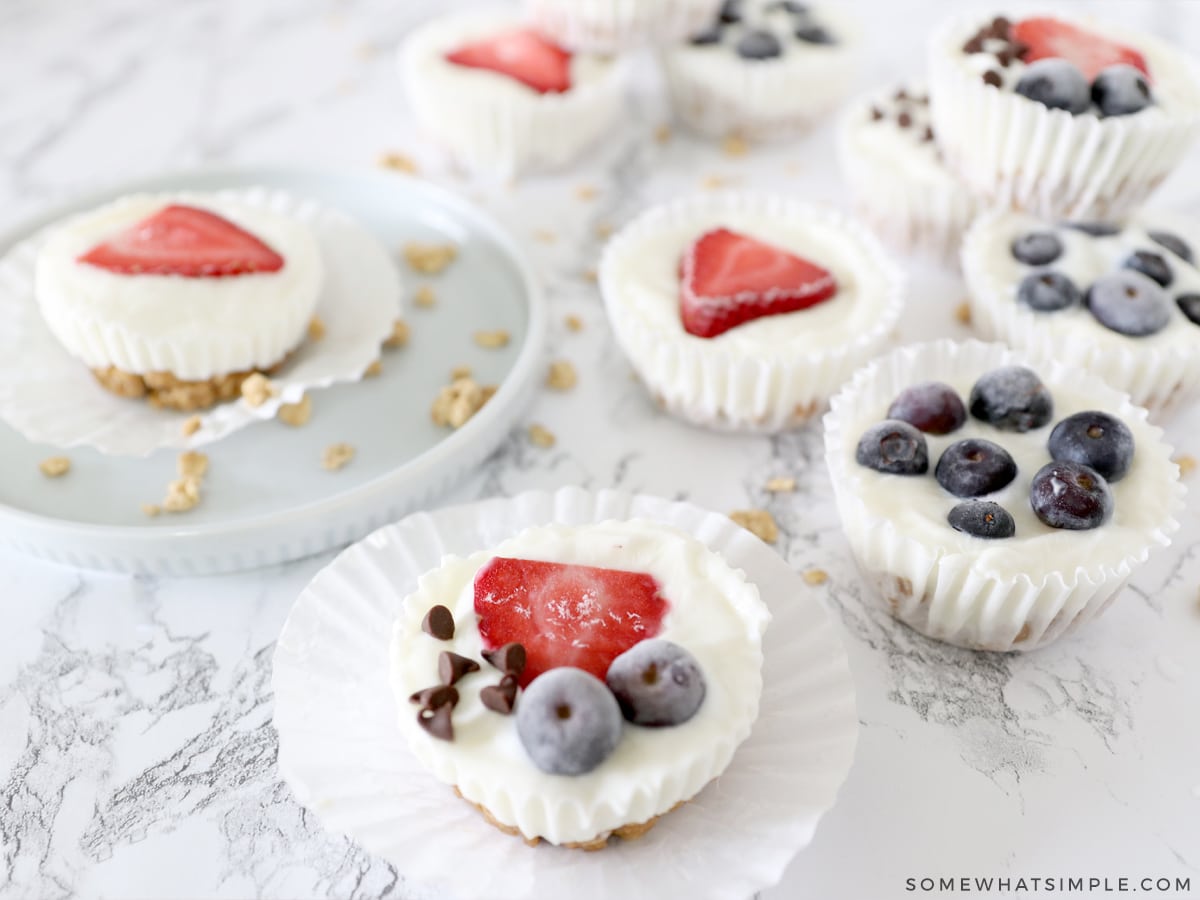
{"points": [[509, 659], [974, 45], [1018, 48], [876, 113], [923, 99], [901, 94], [1000, 27], [436, 696], [437, 722], [500, 697], [992, 77], [1005, 57], [904, 120], [927, 134], [452, 667], [439, 622]]}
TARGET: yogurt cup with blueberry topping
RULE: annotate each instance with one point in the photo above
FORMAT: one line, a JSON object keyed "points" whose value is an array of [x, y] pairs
{"points": [[763, 69], [992, 502]]}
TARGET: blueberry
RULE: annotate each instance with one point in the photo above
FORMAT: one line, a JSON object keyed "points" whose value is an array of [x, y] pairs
{"points": [[814, 34], [1129, 303], [1095, 229], [1055, 83], [931, 406], [1174, 243], [983, 519], [893, 447], [731, 11], [1012, 398], [1070, 495], [1048, 291], [1037, 248], [1093, 439], [710, 35], [975, 467], [657, 682], [1120, 90], [568, 721], [1189, 305], [759, 45], [1152, 265]]}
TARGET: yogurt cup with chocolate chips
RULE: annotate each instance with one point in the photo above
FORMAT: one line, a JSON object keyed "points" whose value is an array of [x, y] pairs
{"points": [[896, 173], [993, 502], [763, 69]]}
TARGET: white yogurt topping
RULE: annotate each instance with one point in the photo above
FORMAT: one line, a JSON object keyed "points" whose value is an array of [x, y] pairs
{"points": [[143, 323], [1085, 258], [713, 612], [905, 148]]}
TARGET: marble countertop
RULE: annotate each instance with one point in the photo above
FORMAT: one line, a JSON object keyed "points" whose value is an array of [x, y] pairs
{"points": [[137, 757]]}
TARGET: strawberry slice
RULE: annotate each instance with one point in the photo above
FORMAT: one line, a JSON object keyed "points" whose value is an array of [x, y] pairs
{"points": [[1048, 38], [729, 278], [565, 615], [184, 240], [524, 56]]}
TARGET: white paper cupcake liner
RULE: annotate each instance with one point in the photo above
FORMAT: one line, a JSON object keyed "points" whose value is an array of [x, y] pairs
{"points": [[343, 754], [628, 789], [911, 210], [614, 26], [953, 596], [502, 130], [1019, 153], [716, 93], [51, 397], [704, 381], [1158, 378]]}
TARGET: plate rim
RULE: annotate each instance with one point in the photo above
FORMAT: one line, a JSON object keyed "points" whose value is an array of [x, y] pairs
{"points": [[507, 400]]}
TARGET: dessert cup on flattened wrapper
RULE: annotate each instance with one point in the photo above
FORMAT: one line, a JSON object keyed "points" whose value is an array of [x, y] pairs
{"points": [[716, 93], [497, 127], [1018, 153], [731, 382], [1157, 378], [974, 599], [613, 26]]}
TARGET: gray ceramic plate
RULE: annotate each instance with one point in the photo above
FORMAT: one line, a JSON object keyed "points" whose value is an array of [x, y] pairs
{"points": [[266, 497]]}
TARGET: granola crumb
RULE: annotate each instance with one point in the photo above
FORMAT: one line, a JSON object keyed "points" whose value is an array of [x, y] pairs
{"points": [[296, 414], [604, 230], [1187, 465], [716, 182], [815, 576], [591, 276], [398, 162], [962, 313], [399, 335], [374, 370], [758, 522], [151, 509], [781, 485], [562, 376], [489, 391], [257, 389], [735, 145], [192, 464], [425, 297], [336, 456], [55, 466], [457, 402], [574, 323], [662, 134], [586, 192], [460, 372], [540, 436], [183, 494], [316, 329], [191, 425], [545, 236], [492, 340], [429, 259]]}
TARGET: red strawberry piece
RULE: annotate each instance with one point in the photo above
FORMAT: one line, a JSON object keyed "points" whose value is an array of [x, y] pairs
{"points": [[524, 56], [1048, 38], [565, 615], [186, 241], [729, 278]]}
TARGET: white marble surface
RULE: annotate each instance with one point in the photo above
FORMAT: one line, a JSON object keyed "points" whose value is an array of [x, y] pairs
{"points": [[136, 752]]}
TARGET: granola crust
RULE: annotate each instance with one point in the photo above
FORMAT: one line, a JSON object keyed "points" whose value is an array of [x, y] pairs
{"points": [[163, 390], [630, 832]]}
